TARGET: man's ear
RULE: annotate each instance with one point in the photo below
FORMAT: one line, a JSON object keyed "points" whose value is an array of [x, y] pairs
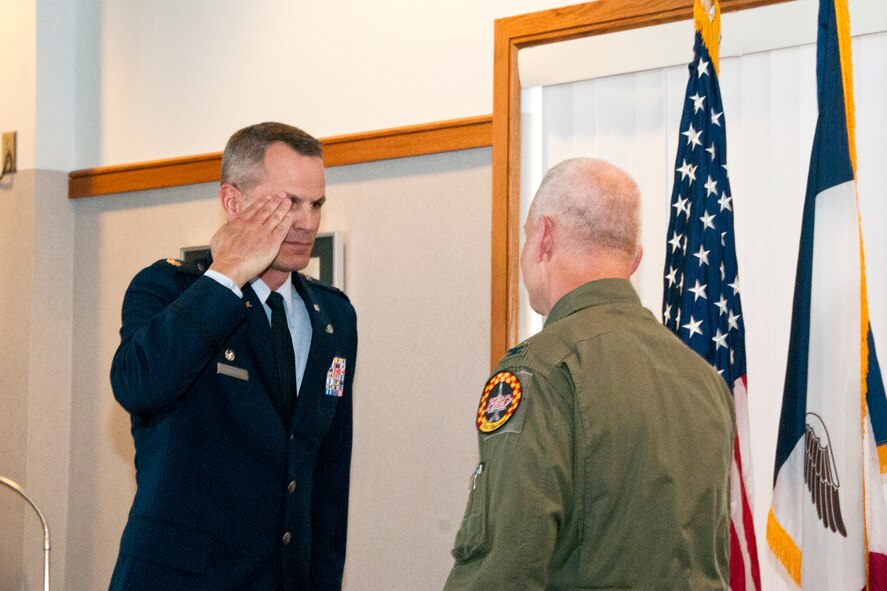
{"points": [[637, 259], [544, 238], [231, 200]]}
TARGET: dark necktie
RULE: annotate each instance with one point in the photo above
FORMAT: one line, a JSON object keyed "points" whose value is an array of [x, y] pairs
{"points": [[283, 351]]}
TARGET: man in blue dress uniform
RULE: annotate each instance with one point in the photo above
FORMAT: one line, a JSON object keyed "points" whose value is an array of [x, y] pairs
{"points": [[243, 446]]}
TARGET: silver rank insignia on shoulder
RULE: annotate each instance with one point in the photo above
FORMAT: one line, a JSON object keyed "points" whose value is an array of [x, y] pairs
{"points": [[516, 350]]}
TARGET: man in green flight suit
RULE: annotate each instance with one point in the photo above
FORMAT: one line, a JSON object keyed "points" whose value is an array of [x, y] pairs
{"points": [[605, 443]]}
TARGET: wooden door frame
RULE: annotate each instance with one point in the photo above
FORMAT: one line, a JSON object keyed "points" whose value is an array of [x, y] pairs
{"points": [[528, 30]]}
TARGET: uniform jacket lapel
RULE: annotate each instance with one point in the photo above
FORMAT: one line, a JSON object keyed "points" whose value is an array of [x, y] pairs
{"points": [[324, 347]]}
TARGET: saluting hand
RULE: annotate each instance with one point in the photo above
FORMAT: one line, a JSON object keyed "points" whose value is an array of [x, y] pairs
{"points": [[248, 243]]}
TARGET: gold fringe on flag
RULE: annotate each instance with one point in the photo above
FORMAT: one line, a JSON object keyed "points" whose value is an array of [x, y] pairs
{"points": [[784, 548], [842, 19], [842, 23], [709, 26]]}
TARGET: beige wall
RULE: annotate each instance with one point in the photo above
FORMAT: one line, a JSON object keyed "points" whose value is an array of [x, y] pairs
{"points": [[417, 270], [164, 79], [18, 73], [418, 266], [36, 233], [16, 236]]}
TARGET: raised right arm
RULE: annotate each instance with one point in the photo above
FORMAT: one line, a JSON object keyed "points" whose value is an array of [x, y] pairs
{"points": [[173, 324]]}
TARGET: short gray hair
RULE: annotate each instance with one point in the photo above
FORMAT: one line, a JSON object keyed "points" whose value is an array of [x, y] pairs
{"points": [[243, 161], [595, 202]]}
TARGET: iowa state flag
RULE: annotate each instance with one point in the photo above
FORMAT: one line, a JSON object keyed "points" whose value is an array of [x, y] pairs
{"points": [[701, 302], [828, 520]]}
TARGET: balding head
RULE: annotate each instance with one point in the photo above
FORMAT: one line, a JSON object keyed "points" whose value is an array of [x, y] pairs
{"points": [[596, 204], [584, 224]]}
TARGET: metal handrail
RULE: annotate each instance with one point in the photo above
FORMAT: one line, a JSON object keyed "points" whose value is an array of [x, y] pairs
{"points": [[17, 488]]}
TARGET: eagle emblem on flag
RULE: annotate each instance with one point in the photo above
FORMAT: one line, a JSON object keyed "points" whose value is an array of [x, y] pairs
{"points": [[820, 474]]}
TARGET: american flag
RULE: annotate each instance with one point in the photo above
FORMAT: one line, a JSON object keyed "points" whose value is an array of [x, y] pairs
{"points": [[701, 301]]}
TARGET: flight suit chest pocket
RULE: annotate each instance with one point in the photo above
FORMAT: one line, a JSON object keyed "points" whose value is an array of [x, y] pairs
{"points": [[471, 541]]}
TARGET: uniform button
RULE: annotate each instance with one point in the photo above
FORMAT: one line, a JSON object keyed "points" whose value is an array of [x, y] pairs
{"points": [[286, 538], [291, 488]]}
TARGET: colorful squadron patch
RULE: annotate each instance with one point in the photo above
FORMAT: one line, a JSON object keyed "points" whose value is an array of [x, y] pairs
{"points": [[499, 401]]}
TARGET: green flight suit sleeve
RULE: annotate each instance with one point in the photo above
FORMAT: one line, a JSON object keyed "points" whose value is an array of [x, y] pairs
{"points": [[521, 493]]}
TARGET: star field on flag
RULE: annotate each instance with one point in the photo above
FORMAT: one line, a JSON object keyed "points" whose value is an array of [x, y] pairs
{"points": [[701, 296]]}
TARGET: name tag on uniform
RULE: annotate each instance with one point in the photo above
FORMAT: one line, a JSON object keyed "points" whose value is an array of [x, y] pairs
{"points": [[335, 378], [231, 371]]}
